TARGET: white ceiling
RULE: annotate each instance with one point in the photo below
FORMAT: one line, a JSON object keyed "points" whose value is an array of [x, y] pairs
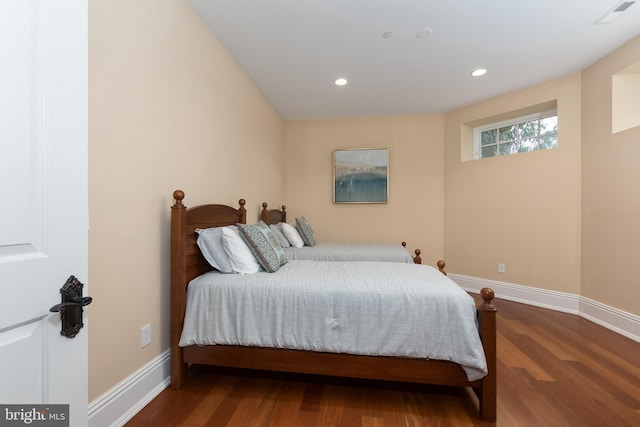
{"points": [[294, 49]]}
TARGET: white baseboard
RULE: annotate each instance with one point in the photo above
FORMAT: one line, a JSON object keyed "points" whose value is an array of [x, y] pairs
{"points": [[122, 402], [624, 323], [619, 321]]}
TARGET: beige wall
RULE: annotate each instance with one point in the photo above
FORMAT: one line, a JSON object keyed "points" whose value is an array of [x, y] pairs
{"points": [[521, 210], [414, 212], [168, 108], [611, 190]]}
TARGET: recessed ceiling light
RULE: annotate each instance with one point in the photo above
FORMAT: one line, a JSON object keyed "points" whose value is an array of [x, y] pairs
{"points": [[424, 33], [341, 81], [479, 72], [387, 35]]}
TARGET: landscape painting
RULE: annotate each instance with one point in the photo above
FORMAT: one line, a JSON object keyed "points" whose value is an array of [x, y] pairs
{"points": [[361, 176]]}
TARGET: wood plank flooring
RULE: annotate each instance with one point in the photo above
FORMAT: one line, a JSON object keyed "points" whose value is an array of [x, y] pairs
{"points": [[554, 369]]}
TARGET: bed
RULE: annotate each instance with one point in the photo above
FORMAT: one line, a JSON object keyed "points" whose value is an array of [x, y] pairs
{"points": [[187, 264], [338, 251]]}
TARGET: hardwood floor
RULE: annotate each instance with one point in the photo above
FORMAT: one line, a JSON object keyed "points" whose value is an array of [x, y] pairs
{"points": [[554, 369]]}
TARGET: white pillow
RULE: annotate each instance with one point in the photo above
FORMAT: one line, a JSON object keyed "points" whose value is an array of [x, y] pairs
{"points": [[210, 244], [277, 231], [292, 235], [240, 256]]}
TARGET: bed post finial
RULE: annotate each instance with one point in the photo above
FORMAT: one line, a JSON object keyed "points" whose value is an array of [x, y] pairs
{"points": [[487, 295], [264, 217], [242, 209], [441, 264], [179, 196]]}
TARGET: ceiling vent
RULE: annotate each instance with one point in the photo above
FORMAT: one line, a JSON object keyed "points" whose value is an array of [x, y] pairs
{"points": [[614, 13]]}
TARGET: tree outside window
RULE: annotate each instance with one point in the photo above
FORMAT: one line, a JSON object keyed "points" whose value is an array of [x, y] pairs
{"points": [[520, 135]]}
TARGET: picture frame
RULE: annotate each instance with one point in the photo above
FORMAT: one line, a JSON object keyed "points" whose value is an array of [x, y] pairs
{"points": [[361, 175]]}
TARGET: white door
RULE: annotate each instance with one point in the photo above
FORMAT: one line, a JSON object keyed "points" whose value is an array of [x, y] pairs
{"points": [[43, 201]]}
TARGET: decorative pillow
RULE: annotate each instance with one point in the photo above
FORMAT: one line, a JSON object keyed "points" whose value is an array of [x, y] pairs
{"points": [[210, 244], [303, 227], [263, 245], [276, 229], [240, 256], [292, 235]]}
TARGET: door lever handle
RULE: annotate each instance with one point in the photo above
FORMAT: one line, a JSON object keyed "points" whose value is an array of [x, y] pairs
{"points": [[70, 308], [77, 301]]}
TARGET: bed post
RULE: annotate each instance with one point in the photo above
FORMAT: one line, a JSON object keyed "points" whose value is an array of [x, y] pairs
{"points": [[487, 392], [441, 264], [263, 213], [178, 291], [243, 211]]}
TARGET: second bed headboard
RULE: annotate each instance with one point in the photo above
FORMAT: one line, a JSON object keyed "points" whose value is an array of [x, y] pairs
{"points": [[273, 216]]}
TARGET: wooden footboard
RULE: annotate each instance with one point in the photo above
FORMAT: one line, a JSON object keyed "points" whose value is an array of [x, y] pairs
{"points": [[187, 263]]}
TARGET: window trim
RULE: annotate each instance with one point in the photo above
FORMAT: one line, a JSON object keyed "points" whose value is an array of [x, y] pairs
{"points": [[477, 131]]}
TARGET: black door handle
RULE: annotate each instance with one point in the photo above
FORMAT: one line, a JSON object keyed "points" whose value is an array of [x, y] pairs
{"points": [[78, 301], [70, 308]]}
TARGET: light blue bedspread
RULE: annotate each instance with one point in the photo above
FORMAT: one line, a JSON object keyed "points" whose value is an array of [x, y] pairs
{"points": [[367, 308]]}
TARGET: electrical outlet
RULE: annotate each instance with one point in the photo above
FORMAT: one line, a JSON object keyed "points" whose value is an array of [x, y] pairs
{"points": [[501, 268], [145, 336]]}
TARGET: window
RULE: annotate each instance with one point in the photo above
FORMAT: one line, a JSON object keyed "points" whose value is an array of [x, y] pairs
{"points": [[528, 133]]}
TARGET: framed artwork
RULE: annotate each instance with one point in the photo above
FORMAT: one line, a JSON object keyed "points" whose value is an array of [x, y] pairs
{"points": [[361, 175]]}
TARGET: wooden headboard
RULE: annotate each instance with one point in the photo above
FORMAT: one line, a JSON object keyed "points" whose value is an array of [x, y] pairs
{"points": [[273, 216], [187, 261]]}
